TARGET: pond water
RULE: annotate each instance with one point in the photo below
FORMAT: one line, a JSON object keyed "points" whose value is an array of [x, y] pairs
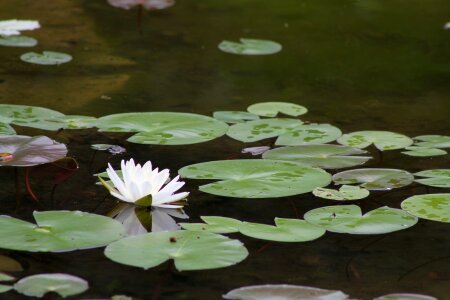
{"points": [[359, 65]]}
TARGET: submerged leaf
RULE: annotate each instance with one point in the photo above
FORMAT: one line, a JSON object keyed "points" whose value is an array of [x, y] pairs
{"points": [[433, 141], [7, 264], [250, 47], [346, 192], [46, 58], [383, 140], [272, 109], [63, 284], [434, 207], [375, 179]]}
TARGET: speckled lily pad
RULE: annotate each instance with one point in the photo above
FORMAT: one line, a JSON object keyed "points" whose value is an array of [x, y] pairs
{"points": [[375, 179], [435, 207]]}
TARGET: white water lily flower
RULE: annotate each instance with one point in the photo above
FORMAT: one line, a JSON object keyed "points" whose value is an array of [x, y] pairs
{"points": [[142, 183], [14, 27]]}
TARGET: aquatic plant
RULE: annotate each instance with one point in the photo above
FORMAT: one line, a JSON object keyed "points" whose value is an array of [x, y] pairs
{"points": [[375, 178], [272, 109], [345, 193], [46, 58], [147, 4], [383, 140], [434, 207], [14, 27], [436, 178], [17, 41], [250, 47]]}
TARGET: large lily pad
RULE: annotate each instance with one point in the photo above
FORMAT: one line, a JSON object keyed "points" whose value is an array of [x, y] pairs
{"points": [[250, 47], [58, 231], [346, 192], [255, 178], [234, 117], [349, 219], [383, 140], [435, 207], [403, 296], [17, 41], [190, 250], [29, 116], [272, 109], [322, 156], [168, 128], [435, 178], [46, 58], [375, 179], [283, 292], [423, 151], [63, 284], [433, 141]]}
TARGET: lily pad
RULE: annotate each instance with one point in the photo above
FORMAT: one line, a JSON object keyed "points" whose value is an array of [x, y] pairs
{"points": [[434, 207], [423, 151], [17, 41], [6, 129], [349, 219], [167, 128], [190, 250], [58, 231], [46, 58], [234, 117], [433, 141], [272, 109], [255, 178], [309, 134], [14, 27], [147, 4], [346, 192], [322, 156], [250, 47], [383, 140], [30, 116], [283, 292], [214, 224], [403, 296], [63, 284], [375, 179], [256, 150], [435, 178], [76, 122], [5, 288]]}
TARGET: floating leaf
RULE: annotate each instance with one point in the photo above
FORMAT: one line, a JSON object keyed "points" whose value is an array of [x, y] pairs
{"points": [[349, 219], [272, 109], [190, 250], [168, 128], [6, 277], [255, 178], [46, 58], [309, 134], [283, 292], [286, 230], [403, 296], [214, 224], [346, 192], [101, 147], [383, 140], [5, 288], [30, 116], [375, 179], [234, 117], [30, 151], [14, 27], [76, 122], [423, 151], [322, 156], [435, 178], [17, 41], [63, 284], [433, 141], [250, 47], [58, 231], [435, 207], [6, 129], [147, 4]]}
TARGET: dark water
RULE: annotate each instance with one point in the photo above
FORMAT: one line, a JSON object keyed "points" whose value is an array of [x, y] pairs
{"points": [[360, 65]]}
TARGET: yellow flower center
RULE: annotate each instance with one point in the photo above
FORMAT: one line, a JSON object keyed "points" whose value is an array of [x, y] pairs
{"points": [[6, 157]]}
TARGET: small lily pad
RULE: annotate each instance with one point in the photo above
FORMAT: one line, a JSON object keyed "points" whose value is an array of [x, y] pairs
{"points": [[190, 250], [164, 128], [146, 4], [402, 296], [383, 140], [256, 150], [346, 192], [46, 58], [17, 41], [433, 141], [63, 284], [349, 219], [283, 292], [250, 47], [375, 179], [214, 224], [423, 151], [321, 156], [256, 178], [14, 27], [435, 178], [434, 207], [234, 117], [272, 109]]}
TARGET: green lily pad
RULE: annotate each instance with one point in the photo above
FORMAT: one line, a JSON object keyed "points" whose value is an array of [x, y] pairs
{"points": [[5, 288], [214, 224], [346, 192], [283, 292], [403, 296], [166, 128], [321, 156], [17, 41], [76, 122], [272, 109], [433, 141], [435, 178], [349, 219], [250, 47], [63, 284], [383, 140], [375, 179], [309, 134], [423, 151], [434, 207], [234, 117], [30, 116], [6, 129], [14, 27], [58, 231], [46, 58], [256, 178], [190, 250], [6, 277]]}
